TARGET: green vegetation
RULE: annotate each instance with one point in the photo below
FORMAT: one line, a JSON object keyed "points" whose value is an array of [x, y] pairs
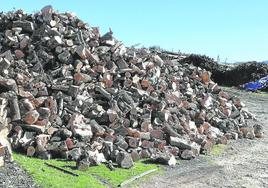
{"points": [[93, 177], [119, 175], [218, 149], [260, 93], [50, 177]]}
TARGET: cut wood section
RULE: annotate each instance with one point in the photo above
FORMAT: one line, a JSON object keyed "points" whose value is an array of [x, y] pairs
{"points": [[30, 151]]}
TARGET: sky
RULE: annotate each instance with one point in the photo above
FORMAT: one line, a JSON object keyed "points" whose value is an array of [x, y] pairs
{"points": [[234, 30]]}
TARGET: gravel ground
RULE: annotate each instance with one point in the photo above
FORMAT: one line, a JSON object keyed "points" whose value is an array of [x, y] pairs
{"points": [[243, 164], [11, 175]]}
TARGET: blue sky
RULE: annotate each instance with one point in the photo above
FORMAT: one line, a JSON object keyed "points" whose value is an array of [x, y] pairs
{"points": [[233, 29]]}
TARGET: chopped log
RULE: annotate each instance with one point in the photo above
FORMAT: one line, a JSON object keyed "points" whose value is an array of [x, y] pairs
{"points": [[35, 128], [164, 158], [8, 84], [83, 164], [30, 151], [2, 151], [51, 130], [15, 110], [2, 162]]}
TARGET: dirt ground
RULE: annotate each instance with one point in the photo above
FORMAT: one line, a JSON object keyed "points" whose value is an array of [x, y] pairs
{"points": [[244, 163]]}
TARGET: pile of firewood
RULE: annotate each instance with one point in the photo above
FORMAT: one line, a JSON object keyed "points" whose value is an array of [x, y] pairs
{"points": [[74, 94]]}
